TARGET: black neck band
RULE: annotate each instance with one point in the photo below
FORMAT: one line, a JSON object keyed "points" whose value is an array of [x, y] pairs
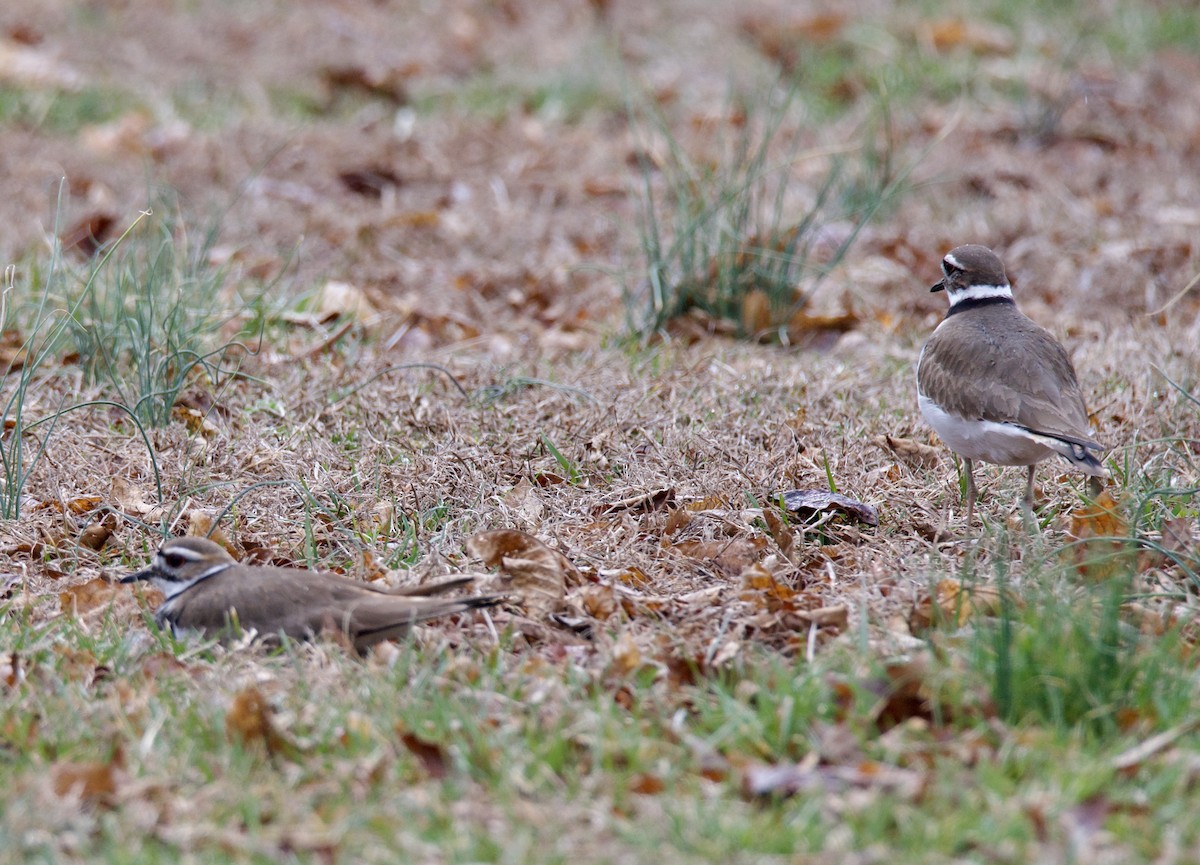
{"points": [[975, 303]]}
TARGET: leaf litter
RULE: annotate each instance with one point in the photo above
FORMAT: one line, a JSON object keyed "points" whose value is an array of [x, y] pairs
{"points": [[657, 542]]}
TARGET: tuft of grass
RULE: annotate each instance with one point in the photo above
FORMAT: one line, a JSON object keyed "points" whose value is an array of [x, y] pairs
{"points": [[741, 239], [147, 319], [62, 111]]}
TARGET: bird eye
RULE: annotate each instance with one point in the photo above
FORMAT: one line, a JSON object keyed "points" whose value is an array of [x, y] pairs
{"points": [[950, 269], [172, 560]]}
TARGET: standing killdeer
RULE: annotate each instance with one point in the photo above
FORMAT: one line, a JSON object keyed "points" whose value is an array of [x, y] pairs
{"points": [[994, 385], [207, 590]]}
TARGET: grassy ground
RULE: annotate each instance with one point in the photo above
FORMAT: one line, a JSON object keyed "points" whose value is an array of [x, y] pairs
{"points": [[568, 270]]}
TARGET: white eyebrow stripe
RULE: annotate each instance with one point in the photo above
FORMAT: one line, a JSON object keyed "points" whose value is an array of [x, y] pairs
{"points": [[953, 262], [184, 552]]}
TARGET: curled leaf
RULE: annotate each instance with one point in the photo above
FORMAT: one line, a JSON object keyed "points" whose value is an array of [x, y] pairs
{"points": [[806, 503], [534, 574]]}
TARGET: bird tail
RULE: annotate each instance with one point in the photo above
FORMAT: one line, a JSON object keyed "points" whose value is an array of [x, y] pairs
{"points": [[1078, 452]]}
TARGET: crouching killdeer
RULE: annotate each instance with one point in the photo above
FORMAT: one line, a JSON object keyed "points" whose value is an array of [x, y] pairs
{"points": [[207, 590], [994, 385]]}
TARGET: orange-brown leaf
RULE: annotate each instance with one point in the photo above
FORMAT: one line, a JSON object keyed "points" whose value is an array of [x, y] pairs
{"points": [[430, 755], [94, 783], [535, 574], [81, 598], [249, 721], [1100, 531]]}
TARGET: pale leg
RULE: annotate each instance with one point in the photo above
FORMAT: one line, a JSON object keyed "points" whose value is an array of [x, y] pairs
{"points": [[970, 490]]}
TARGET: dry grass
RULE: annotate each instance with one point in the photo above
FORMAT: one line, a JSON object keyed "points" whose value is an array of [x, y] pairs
{"points": [[713, 638]]}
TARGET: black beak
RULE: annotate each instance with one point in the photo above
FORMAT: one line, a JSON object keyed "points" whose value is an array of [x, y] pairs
{"points": [[938, 286], [143, 574]]}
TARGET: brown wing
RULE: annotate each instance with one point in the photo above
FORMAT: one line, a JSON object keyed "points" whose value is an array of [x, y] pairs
{"points": [[1019, 373]]}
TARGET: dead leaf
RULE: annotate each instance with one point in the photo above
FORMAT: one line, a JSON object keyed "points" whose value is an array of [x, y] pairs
{"points": [[781, 532], [647, 785], [369, 181], [78, 506], [535, 575], [1102, 549], [712, 502], [387, 83], [836, 616], [347, 301], [912, 452], [804, 327], [12, 351], [82, 598], [201, 525], [1177, 536], [249, 722], [194, 420], [430, 755], [756, 312], [95, 536], [129, 498], [954, 603], [626, 655], [651, 500], [806, 503], [92, 783], [371, 568], [730, 556], [88, 236], [598, 602], [975, 36], [759, 587]]}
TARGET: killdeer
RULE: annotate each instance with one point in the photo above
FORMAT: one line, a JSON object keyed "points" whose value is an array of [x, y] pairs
{"points": [[994, 385], [207, 590]]}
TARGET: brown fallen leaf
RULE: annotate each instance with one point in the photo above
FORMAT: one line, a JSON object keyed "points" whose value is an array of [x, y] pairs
{"points": [[430, 755], [82, 598], [383, 83], [909, 451], [93, 783], [835, 616], [369, 181], [626, 656], [1177, 536], [1102, 548], [249, 721], [952, 602], [806, 503], [12, 351], [96, 535], [760, 588], [129, 498], [651, 500], [978, 38], [646, 784], [534, 574], [756, 312], [78, 506], [201, 525], [347, 301], [88, 236], [781, 532], [803, 326], [729, 555]]}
